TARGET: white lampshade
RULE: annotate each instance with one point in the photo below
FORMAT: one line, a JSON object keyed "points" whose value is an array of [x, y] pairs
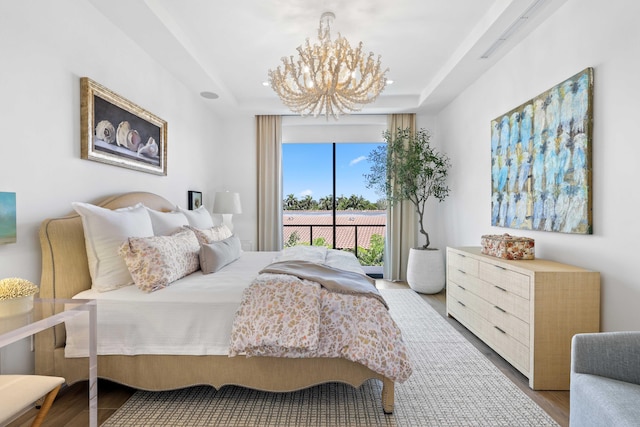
{"points": [[227, 203]]}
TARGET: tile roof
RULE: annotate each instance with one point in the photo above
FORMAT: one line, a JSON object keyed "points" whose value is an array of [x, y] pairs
{"points": [[303, 222]]}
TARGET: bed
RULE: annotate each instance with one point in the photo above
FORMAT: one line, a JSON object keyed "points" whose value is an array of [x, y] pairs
{"points": [[65, 274]]}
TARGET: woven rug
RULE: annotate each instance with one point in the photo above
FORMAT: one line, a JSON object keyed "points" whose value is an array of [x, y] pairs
{"points": [[452, 384]]}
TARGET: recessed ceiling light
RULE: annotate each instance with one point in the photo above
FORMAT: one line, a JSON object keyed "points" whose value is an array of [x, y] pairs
{"points": [[389, 82], [209, 95], [265, 83]]}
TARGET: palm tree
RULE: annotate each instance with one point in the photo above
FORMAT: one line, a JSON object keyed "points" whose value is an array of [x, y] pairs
{"points": [[290, 203], [307, 203], [325, 203]]}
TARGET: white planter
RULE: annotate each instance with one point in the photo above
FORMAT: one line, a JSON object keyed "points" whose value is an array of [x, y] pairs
{"points": [[425, 270], [15, 306]]}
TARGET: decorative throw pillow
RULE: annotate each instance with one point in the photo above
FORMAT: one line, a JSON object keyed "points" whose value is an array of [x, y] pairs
{"points": [[167, 223], [211, 234], [200, 218], [156, 262], [214, 256], [104, 232]]}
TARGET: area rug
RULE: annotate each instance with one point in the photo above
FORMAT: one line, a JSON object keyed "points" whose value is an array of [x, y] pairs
{"points": [[452, 384]]}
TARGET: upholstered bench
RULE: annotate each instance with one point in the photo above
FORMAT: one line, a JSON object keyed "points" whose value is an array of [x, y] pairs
{"points": [[17, 392]]}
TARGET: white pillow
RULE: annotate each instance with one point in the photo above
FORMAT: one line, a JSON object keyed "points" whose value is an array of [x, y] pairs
{"points": [[199, 218], [104, 231], [167, 223]]}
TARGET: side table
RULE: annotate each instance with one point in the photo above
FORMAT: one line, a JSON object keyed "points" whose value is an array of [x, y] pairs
{"points": [[47, 313]]}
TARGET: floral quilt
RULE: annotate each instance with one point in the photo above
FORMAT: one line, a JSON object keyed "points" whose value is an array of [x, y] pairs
{"points": [[284, 316]]}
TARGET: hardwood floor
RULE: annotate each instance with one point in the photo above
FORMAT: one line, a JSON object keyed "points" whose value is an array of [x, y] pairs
{"points": [[71, 408]]}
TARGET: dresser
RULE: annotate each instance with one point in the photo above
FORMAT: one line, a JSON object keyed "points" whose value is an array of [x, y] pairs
{"points": [[527, 311]]}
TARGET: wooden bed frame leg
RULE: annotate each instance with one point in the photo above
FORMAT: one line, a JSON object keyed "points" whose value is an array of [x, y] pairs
{"points": [[388, 396]]}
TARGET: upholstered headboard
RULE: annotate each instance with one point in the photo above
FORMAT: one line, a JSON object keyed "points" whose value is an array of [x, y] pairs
{"points": [[65, 270]]}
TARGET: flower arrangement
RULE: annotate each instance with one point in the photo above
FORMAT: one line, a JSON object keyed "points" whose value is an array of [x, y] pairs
{"points": [[14, 287]]}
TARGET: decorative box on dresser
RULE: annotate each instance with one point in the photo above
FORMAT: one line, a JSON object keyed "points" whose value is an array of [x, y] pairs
{"points": [[527, 311]]}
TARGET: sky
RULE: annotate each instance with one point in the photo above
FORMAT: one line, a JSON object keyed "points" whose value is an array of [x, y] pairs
{"points": [[306, 169]]}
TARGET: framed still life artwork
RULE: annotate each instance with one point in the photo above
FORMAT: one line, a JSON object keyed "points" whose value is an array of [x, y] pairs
{"points": [[118, 132], [8, 223], [541, 160]]}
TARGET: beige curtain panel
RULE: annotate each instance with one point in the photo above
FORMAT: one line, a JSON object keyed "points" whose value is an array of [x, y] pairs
{"points": [[269, 150], [401, 219]]}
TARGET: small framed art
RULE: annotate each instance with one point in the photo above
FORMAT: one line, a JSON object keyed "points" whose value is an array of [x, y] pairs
{"points": [[195, 199], [7, 218]]}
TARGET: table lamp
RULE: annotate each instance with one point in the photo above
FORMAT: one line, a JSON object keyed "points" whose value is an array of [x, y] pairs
{"points": [[227, 204]]}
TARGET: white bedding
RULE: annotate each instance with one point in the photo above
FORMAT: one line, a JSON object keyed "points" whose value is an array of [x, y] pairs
{"points": [[192, 316]]}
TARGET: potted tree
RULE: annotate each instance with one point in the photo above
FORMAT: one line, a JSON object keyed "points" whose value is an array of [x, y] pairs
{"points": [[409, 168]]}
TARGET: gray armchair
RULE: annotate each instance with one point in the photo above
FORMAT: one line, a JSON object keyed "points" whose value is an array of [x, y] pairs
{"points": [[605, 379]]}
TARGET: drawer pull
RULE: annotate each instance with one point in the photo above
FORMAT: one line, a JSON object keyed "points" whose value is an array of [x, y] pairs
{"points": [[500, 330], [461, 303], [461, 255], [462, 271], [462, 287], [500, 309], [501, 268], [502, 289]]}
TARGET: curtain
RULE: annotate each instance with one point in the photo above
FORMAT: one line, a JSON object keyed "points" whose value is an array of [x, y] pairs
{"points": [[401, 218], [269, 153]]}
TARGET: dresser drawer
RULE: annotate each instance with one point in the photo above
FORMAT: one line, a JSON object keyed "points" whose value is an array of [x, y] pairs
{"points": [[462, 263], [506, 301], [508, 347], [509, 280], [493, 313], [512, 325], [457, 308], [469, 299], [465, 280], [498, 296]]}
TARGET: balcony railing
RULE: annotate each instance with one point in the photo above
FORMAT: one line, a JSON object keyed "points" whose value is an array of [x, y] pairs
{"points": [[331, 240]]}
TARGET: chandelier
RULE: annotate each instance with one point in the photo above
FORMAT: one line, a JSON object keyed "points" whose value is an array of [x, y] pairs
{"points": [[328, 78]]}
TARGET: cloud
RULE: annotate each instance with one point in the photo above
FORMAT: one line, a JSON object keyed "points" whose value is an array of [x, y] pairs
{"points": [[357, 160], [306, 193]]}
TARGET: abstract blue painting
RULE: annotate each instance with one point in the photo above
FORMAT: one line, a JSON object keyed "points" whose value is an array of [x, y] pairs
{"points": [[541, 160], [7, 217]]}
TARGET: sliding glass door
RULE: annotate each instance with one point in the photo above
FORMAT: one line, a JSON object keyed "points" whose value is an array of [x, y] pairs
{"points": [[326, 202]]}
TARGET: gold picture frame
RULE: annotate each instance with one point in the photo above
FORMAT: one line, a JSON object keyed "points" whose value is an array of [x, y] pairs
{"points": [[118, 132]]}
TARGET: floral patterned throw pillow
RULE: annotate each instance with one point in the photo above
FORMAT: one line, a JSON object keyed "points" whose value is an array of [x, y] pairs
{"points": [[156, 262]]}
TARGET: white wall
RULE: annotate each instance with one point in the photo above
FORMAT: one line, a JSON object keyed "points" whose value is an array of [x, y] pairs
{"points": [[237, 173], [351, 128], [45, 48], [583, 33]]}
